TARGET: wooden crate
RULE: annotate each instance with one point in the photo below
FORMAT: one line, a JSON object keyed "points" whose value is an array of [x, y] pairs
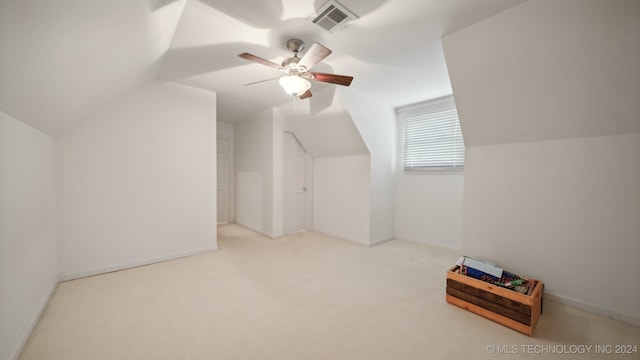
{"points": [[518, 311]]}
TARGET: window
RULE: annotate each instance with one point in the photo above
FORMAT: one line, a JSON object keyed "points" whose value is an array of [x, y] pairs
{"points": [[432, 135]]}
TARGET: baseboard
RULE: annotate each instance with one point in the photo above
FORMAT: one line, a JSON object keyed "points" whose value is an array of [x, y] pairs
{"points": [[437, 246], [259, 232], [380, 241], [339, 237], [32, 324], [112, 268], [594, 309]]}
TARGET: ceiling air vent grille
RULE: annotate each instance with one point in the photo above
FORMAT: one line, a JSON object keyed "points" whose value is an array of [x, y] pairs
{"points": [[333, 16]]}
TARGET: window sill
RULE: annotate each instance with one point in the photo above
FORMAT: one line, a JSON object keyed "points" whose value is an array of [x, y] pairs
{"points": [[434, 172]]}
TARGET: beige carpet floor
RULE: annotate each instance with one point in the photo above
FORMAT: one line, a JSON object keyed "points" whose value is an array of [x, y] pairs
{"points": [[305, 296]]}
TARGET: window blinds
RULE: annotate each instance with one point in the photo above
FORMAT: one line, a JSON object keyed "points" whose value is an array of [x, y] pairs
{"points": [[432, 136]]}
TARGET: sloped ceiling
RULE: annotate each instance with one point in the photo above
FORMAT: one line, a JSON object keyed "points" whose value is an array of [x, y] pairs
{"points": [[326, 133], [547, 71], [62, 60]]}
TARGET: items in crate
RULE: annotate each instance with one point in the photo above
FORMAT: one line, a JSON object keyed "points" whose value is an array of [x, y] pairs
{"points": [[489, 272]]}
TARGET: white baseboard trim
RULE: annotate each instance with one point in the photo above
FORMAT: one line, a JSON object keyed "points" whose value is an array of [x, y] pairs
{"points": [[24, 337], [594, 309], [340, 237], [260, 232], [380, 241], [437, 246], [118, 267]]}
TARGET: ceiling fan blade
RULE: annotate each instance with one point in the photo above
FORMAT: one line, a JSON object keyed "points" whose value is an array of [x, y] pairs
{"points": [[306, 94], [261, 81], [332, 78], [260, 60], [314, 55]]}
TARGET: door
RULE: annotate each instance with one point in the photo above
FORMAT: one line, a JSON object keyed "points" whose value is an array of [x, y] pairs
{"points": [[224, 161], [295, 180]]}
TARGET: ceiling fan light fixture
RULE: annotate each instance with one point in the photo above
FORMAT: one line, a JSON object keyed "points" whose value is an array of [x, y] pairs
{"points": [[294, 85]]}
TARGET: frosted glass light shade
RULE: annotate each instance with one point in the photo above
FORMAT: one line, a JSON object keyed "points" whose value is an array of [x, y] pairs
{"points": [[294, 85]]}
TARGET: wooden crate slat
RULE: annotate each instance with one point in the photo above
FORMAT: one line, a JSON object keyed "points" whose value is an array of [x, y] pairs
{"points": [[495, 289], [518, 326], [491, 297], [497, 308], [536, 309]]}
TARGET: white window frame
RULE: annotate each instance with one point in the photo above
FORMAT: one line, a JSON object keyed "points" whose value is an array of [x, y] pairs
{"points": [[426, 117]]}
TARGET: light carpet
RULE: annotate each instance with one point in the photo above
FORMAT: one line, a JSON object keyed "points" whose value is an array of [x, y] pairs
{"points": [[304, 296]]}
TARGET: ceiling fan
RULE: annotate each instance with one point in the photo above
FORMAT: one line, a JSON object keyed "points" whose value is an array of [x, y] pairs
{"points": [[298, 70]]}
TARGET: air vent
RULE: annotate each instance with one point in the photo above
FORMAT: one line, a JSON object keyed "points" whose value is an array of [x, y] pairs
{"points": [[333, 16]]}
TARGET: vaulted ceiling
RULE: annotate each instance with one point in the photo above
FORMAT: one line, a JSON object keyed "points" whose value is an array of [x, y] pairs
{"points": [[62, 60]]}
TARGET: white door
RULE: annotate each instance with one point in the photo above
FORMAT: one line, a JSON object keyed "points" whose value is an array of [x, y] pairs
{"points": [[295, 180], [224, 160]]}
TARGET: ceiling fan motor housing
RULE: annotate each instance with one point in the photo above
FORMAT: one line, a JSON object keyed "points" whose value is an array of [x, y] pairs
{"points": [[295, 45], [290, 65]]}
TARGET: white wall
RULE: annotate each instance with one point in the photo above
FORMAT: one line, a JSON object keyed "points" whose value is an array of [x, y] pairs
{"points": [[136, 181], [341, 202], [563, 211], [377, 126], [226, 130], [28, 261], [429, 208], [547, 93], [278, 128], [259, 166], [254, 172]]}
